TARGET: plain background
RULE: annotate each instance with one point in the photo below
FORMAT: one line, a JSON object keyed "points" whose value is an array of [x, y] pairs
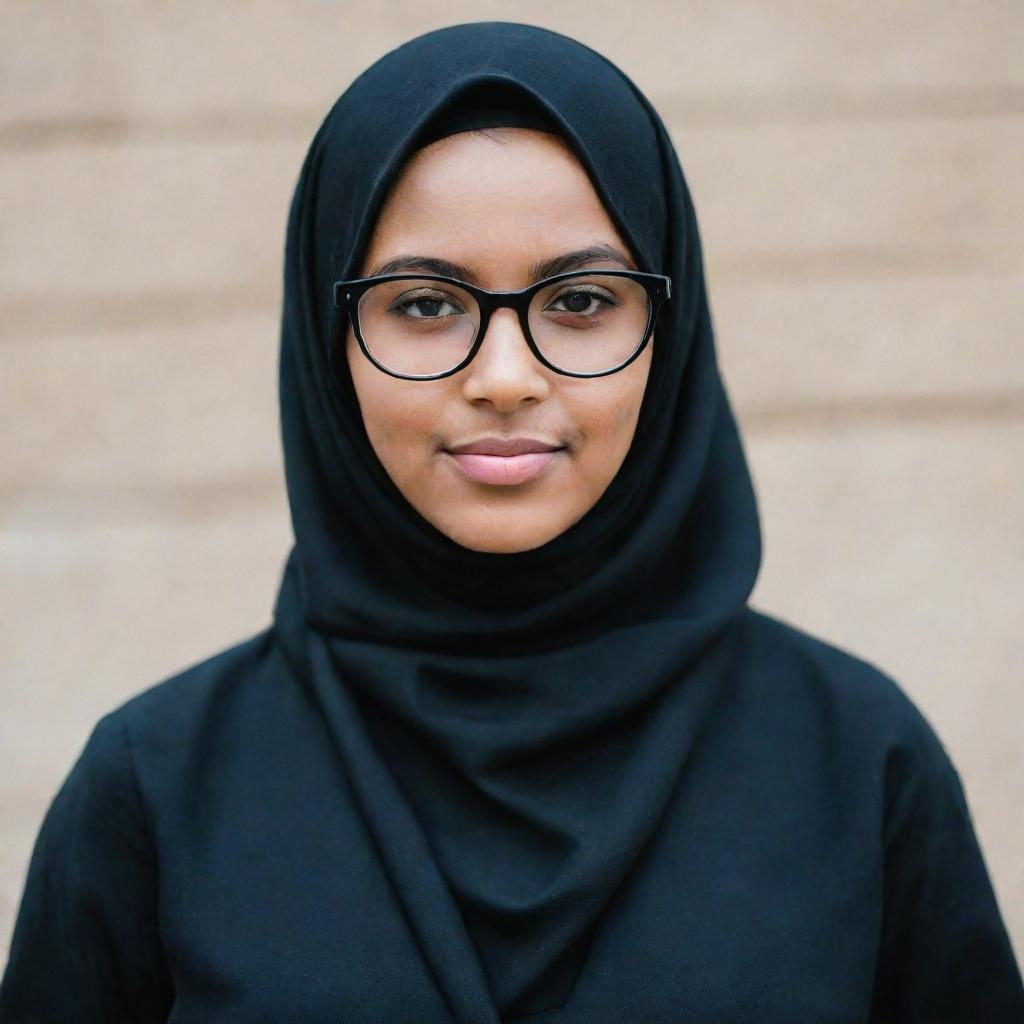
{"points": [[857, 173]]}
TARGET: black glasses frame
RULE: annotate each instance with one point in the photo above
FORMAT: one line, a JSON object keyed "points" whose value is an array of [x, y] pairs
{"points": [[348, 293]]}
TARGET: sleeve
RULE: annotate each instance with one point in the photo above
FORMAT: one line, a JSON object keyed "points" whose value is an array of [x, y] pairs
{"points": [[945, 955], [86, 946]]}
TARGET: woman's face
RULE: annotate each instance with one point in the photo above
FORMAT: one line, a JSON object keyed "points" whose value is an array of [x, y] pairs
{"points": [[495, 206]]}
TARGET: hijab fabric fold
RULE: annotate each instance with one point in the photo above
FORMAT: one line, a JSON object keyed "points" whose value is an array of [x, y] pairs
{"points": [[513, 725]]}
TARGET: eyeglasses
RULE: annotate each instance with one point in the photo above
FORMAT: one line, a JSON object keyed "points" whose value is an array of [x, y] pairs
{"points": [[581, 324]]}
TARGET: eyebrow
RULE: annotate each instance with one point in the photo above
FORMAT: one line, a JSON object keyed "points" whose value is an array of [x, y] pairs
{"points": [[538, 271]]}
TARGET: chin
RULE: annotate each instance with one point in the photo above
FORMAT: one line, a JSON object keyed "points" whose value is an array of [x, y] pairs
{"points": [[486, 539]]}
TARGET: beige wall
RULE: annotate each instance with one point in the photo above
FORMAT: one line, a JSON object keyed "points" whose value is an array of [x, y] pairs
{"points": [[857, 169]]}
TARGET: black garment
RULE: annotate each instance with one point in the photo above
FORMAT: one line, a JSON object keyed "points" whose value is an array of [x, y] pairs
{"points": [[209, 860], [584, 783]]}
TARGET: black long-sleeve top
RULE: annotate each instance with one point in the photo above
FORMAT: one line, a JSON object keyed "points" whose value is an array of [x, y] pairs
{"points": [[205, 861]]}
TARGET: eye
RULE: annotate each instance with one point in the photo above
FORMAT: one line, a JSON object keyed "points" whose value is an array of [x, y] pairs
{"points": [[424, 305], [583, 300]]}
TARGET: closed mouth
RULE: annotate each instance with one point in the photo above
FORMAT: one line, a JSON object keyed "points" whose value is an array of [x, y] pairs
{"points": [[504, 462], [504, 447]]}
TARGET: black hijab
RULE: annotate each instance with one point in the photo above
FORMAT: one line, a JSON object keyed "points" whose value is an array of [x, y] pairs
{"points": [[513, 724]]}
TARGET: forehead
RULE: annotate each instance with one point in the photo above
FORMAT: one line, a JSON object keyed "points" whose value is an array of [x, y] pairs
{"points": [[485, 197]]}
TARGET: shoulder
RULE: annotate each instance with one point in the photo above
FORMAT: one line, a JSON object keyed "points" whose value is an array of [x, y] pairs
{"points": [[182, 702], [851, 703], [177, 731], [177, 699], [849, 682]]}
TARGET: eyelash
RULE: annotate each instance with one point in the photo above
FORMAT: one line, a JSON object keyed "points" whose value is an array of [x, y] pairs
{"points": [[405, 301], [592, 290]]}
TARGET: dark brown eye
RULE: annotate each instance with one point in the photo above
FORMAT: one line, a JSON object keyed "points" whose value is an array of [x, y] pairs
{"points": [[424, 307], [576, 302], [589, 300]]}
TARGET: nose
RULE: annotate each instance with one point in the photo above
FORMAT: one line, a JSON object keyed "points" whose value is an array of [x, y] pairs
{"points": [[504, 372]]}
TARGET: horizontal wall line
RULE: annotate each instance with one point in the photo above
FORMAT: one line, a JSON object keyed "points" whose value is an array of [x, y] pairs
{"points": [[824, 106], [846, 413], [90, 504], [860, 263], [691, 112], [29, 316]]}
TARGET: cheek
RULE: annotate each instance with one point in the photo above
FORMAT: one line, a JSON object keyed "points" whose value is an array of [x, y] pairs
{"points": [[608, 419], [625, 422], [400, 416], [400, 424]]}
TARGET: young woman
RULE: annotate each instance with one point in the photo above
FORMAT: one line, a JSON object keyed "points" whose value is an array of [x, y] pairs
{"points": [[515, 747]]}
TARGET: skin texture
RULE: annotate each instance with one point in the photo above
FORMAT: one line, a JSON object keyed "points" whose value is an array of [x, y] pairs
{"points": [[496, 203]]}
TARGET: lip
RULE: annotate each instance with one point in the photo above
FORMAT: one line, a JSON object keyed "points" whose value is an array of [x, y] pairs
{"points": [[506, 446], [504, 461]]}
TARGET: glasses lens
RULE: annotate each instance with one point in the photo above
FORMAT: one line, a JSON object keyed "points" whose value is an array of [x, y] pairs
{"points": [[418, 327], [590, 322]]}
